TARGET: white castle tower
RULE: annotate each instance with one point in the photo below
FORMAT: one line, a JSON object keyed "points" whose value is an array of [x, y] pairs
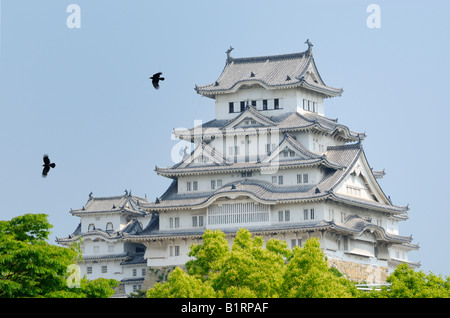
{"points": [[271, 162]]}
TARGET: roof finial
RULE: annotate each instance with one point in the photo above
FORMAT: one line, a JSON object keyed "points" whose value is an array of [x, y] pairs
{"points": [[310, 45], [229, 58]]}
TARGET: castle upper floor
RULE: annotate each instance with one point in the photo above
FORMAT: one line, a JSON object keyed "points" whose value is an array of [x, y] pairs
{"points": [[273, 85]]}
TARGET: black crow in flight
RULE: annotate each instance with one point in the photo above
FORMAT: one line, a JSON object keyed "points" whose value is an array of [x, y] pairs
{"points": [[47, 165], [155, 79]]}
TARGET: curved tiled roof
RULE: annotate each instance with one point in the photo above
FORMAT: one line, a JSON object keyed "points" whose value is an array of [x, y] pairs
{"points": [[354, 225], [271, 72], [291, 121], [127, 203]]}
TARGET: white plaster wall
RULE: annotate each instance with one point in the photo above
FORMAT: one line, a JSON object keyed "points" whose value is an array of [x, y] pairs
{"points": [[291, 100]]}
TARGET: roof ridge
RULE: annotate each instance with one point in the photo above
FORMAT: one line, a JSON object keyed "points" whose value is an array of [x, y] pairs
{"points": [[265, 58]]}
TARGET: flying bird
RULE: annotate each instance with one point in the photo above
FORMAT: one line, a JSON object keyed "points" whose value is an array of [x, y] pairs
{"points": [[47, 165], [155, 79]]}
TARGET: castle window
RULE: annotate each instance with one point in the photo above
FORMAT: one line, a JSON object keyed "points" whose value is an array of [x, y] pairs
{"points": [[134, 272], [219, 183], [174, 250], [198, 221], [195, 185], [174, 222], [231, 107], [296, 242], [143, 272], [246, 174], [213, 184], [302, 178], [91, 227], [238, 213], [188, 186], [305, 214], [89, 270], [242, 106], [109, 226], [104, 269], [276, 104], [310, 106], [264, 104], [284, 216]]}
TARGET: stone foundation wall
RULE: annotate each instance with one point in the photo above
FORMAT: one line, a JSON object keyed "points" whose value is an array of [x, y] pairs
{"points": [[359, 272]]}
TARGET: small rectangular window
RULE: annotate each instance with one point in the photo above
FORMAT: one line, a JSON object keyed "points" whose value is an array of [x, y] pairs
{"points": [[312, 214], [177, 251], [299, 178], [195, 185], [89, 270], [242, 106], [104, 269], [134, 272], [231, 107], [305, 178], [194, 221], [264, 104], [213, 184], [177, 222], [188, 186], [219, 183], [276, 104], [280, 179], [143, 272], [280, 216], [305, 214], [254, 103], [287, 215], [274, 179], [201, 220]]}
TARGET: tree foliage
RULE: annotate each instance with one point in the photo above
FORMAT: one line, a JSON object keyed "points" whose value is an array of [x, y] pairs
{"points": [[405, 282], [248, 269], [31, 267]]}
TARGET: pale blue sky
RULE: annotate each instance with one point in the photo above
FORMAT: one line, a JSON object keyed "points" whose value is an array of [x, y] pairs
{"points": [[83, 95]]}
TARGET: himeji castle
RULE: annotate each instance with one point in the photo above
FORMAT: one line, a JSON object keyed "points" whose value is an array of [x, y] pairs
{"points": [[271, 162]]}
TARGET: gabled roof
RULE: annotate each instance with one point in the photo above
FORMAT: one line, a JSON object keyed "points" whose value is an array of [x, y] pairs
{"points": [[132, 227], [266, 162], [271, 72], [343, 157], [288, 122], [127, 203]]}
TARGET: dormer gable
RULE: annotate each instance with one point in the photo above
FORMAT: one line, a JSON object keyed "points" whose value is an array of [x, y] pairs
{"points": [[204, 154]]}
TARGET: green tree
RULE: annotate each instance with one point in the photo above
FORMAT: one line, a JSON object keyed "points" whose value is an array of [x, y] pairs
{"points": [[181, 285], [307, 275], [207, 255], [248, 269], [408, 283], [31, 267]]}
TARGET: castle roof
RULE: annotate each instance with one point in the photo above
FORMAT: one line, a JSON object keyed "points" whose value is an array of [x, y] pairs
{"points": [[268, 193], [127, 203], [271, 72], [288, 122], [353, 225], [265, 162]]}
